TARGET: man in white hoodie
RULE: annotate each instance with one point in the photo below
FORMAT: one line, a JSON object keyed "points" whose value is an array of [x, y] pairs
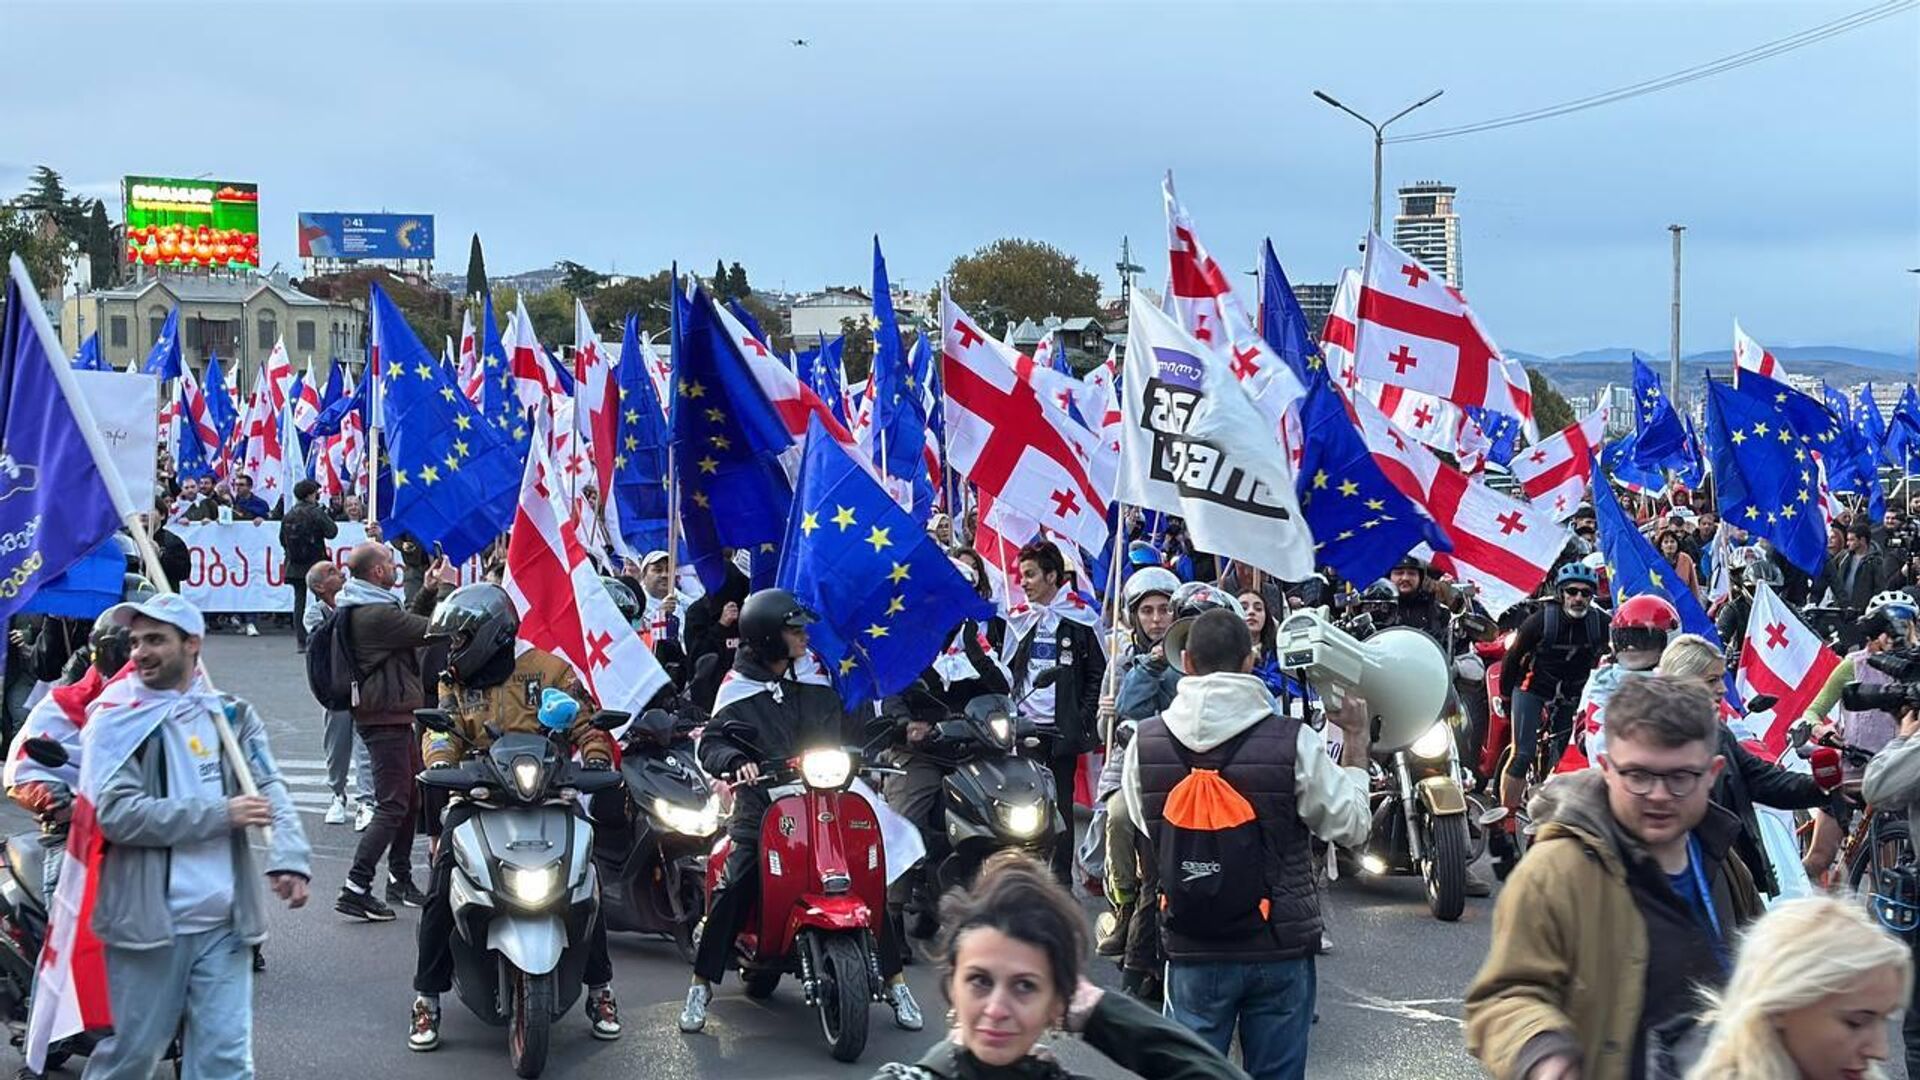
{"points": [[1222, 773]]}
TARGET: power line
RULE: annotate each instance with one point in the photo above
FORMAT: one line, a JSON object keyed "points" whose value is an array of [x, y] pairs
{"points": [[1726, 63]]}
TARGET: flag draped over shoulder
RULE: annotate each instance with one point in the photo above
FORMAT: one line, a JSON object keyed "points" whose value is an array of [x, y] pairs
{"points": [[886, 594], [59, 496], [453, 474]]}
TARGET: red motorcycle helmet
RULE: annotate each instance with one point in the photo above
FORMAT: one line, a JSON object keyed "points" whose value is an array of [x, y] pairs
{"points": [[1643, 623]]}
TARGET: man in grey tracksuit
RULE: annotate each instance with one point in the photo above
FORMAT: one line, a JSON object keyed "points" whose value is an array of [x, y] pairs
{"points": [[1893, 781], [180, 900]]}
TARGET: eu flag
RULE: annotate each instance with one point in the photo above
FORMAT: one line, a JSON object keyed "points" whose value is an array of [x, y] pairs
{"points": [[1903, 431], [89, 358], [497, 398], [886, 594], [1502, 432], [1805, 414], [1283, 324], [1849, 466], [726, 439], [164, 358], [1617, 456], [823, 370], [640, 463], [220, 407], [56, 502], [1661, 440], [1764, 476], [889, 370], [1635, 567], [1361, 523], [455, 482]]}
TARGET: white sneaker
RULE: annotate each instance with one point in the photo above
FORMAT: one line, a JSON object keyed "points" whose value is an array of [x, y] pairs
{"points": [[906, 1011], [252, 630], [363, 817], [336, 811], [693, 1016]]}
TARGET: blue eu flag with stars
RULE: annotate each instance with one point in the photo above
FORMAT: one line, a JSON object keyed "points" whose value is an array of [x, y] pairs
{"points": [[640, 461], [455, 481], [886, 594], [1636, 568], [164, 358], [1282, 322], [1764, 477], [1660, 438], [1361, 524]]}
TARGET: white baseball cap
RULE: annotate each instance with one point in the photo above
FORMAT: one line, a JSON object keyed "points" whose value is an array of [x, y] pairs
{"points": [[651, 558], [170, 608]]}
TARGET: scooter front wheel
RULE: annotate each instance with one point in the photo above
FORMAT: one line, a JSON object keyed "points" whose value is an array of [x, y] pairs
{"points": [[846, 992], [530, 1023]]}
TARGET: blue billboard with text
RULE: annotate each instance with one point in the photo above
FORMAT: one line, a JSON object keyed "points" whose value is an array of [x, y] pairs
{"points": [[366, 236]]}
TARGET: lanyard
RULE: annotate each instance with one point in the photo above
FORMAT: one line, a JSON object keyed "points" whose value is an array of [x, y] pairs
{"points": [[1706, 894]]}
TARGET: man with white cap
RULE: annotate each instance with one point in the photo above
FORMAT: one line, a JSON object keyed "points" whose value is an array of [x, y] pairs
{"points": [[665, 616], [180, 894]]}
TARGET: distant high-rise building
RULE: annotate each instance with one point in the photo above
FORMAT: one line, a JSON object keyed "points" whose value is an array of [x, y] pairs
{"points": [[1315, 302], [1427, 228]]}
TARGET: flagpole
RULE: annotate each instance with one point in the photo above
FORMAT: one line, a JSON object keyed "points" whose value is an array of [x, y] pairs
{"points": [[1113, 596]]}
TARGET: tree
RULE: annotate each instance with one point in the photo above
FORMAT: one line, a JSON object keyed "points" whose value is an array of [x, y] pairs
{"points": [[644, 296], [719, 283], [47, 192], [1550, 411], [41, 249], [737, 287], [101, 248], [579, 280], [476, 268], [552, 315], [1014, 279], [858, 357]]}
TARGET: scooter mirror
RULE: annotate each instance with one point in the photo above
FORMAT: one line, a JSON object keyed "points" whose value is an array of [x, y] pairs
{"points": [[950, 731], [1046, 678], [1761, 703], [47, 752], [608, 719], [434, 720], [1799, 733]]}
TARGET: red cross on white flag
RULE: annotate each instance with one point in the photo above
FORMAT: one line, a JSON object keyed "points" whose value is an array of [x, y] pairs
{"points": [[1784, 658], [1554, 474]]}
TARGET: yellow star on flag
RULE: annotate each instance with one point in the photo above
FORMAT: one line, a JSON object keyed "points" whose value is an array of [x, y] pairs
{"points": [[1349, 488], [896, 605], [719, 441], [423, 371], [447, 392], [877, 536], [1320, 479], [399, 477], [715, 416], [876, 631], [809, 521], [709, 465], [847, 665], [844, 517], [700, 499], [1376, 504], [462, 421], [460, 447], [692, 389], [1738, 436], [898, 574], [429, 475]]}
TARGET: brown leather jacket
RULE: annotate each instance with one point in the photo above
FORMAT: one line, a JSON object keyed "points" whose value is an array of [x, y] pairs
{"points": [[514, 705]]}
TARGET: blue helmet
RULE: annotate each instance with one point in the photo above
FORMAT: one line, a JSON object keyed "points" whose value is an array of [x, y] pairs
{"points": [[1575, 574], [1141, 553]]}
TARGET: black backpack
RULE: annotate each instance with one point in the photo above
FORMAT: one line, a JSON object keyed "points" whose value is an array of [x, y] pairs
{"points": [[1212, 856], [331, 674]]}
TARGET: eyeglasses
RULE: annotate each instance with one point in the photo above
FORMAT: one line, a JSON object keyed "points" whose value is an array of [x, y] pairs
{"points": [[1577, 591], [1680, 782]]}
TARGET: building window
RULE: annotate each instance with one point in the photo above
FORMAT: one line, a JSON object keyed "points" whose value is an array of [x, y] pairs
{"points": [[303, 335], [269, 331], [156, 319], [117, 331]]}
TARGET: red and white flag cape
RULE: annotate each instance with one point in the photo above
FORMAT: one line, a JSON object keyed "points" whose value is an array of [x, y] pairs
{"points": [[564, 609], [1501, 544], [1782, 658], [1752, 356], [1013, 442], [1554, 473]]}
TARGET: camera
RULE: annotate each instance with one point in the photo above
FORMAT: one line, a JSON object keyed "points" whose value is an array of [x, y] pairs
{"points": [[1902, 665]]}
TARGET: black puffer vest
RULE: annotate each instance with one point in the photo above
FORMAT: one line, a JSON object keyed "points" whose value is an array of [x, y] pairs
{"points": [[1262, 770]]}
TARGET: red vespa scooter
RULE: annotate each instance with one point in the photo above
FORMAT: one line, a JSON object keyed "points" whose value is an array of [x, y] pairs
{"points": [[823, 887]]}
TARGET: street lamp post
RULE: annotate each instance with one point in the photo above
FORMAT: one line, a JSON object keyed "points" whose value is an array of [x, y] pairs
{"points": [[1379, 138], [1916, 340]]}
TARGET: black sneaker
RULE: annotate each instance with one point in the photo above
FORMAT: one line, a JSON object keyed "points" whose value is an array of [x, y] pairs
{"points": [[403, 891], [259, 959], [362, 905]]}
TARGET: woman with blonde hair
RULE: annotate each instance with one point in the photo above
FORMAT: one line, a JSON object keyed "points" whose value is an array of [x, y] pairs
{"points": [[1815, 986]]}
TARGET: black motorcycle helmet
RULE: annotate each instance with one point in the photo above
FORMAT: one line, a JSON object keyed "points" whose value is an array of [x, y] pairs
{"points": [[765, 618], [111, 646], [481, 622], [624, 599]]}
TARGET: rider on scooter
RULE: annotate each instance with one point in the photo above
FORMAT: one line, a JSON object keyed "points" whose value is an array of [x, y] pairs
{"points": [[763, 716], [1552, 655], [484, 685]]}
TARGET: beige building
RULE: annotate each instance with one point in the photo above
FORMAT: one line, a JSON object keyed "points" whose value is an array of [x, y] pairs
{"points": [[237, 317], [1428, 228]]}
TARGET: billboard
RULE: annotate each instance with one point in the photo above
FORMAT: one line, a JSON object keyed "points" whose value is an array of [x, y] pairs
{"points": [[366, 236], [207, 223]]}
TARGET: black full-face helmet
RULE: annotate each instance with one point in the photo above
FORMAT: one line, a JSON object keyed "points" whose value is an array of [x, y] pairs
{"points": [[480, 621]]}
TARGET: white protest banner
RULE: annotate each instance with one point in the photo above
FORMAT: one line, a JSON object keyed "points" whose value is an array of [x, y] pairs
{"points": [[124, 407], [239, 566]]}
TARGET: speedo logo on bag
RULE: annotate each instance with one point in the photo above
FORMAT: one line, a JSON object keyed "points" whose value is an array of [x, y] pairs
{"points": [[1207, 827], [1197, 870]]}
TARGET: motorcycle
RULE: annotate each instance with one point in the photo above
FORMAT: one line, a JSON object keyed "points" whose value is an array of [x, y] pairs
{"points": [[524, 891], [653, 879], [823, 888], [994, 799]]}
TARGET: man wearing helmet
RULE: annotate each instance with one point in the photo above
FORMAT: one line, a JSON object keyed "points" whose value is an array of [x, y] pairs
{"points": [[1552, 654], [1638, 634], [763, 716], [1420, 601], [486, 688]]}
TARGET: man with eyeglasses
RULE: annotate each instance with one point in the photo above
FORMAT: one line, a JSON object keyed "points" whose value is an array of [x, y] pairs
{"points": [[1626, 906], [1552, 654]]}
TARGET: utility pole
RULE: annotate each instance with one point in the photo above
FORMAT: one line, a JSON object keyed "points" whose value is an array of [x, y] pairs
{"points": [[1379, 138], [1673, 357], [1916, 339]]}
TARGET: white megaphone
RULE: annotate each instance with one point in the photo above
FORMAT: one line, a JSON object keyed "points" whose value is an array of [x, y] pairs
{"points": [[1401, 672]]}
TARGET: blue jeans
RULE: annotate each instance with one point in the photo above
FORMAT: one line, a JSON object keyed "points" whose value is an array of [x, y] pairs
{"points": [[205, 977], [1272, 1002], [1525, 717]]}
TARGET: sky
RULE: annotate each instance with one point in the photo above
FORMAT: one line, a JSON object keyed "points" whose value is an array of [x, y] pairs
{"points": [[631, 135]]}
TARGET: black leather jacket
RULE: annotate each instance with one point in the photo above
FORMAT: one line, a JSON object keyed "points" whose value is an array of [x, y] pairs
{"points": [[768, 732]]}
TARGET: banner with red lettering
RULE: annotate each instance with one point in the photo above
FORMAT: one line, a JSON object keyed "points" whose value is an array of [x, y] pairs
{"points": [[239, 566]]}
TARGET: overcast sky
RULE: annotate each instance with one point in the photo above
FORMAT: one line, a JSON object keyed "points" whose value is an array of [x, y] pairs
{"points": [[629, 136]]}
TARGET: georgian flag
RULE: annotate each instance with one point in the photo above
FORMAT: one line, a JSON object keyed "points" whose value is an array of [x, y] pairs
{"points": [[535, 378], [1435, 421], [596, 421], [790, 396], [1751, 355], [306, 402], [471, 373], [277, 376], [1782, 658], [1554, 473]]}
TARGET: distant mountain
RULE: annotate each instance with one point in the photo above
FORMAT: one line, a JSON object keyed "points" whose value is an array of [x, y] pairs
{"points": [[1793, 356]]}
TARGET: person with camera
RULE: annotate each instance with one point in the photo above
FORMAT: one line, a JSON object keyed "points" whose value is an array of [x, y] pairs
{"points": [[1892, 782], [486, 689]]}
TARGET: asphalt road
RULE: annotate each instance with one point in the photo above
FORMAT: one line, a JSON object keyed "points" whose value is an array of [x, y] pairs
{"points": [[335, 998]]}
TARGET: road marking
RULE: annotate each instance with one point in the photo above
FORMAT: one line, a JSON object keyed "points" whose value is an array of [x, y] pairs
{"points": [[1410, 1009]]}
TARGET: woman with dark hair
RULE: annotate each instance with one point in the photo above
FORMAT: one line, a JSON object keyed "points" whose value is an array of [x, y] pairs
{"points": [[1012, 962], [1672, 550]]}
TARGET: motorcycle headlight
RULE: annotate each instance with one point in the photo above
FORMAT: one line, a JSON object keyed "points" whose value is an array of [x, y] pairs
{"points": [[532, 887], [827, 769], [1023, 819], [528, 776], [688, 820], [1434, 743], [1002, 729]]}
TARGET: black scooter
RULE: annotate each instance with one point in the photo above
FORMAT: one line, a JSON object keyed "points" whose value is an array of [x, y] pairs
{"points": [[993, 798], [653, 863]]}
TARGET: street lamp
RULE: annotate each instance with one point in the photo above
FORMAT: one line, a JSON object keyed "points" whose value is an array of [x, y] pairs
{"points": [[1916, 345], [1379, 138]]}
